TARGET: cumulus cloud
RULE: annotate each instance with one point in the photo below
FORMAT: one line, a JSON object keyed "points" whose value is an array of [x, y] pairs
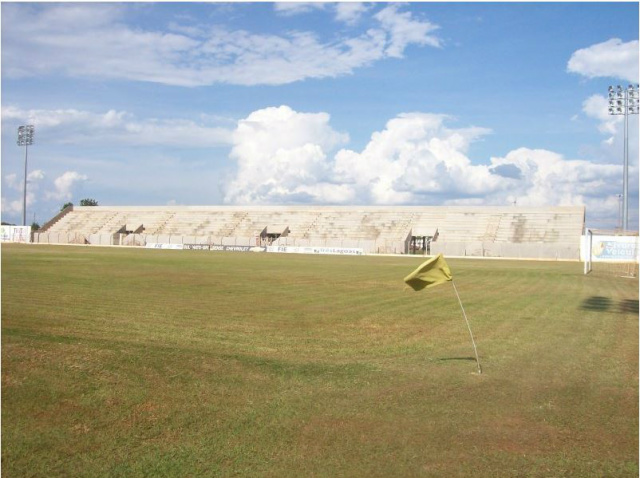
{"points": [[15, 206], [35, 175], [93, 40], [623, 65], [11, 181], [415, 157], [617, 60], [611, 59], [285, 157], [17, 184], [76, 126], [65, 185], [547, 178], [281, 156], [597, 107]]}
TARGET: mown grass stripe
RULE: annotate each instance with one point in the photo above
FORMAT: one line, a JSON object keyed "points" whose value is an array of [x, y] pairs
{"points": [[160, 363]]}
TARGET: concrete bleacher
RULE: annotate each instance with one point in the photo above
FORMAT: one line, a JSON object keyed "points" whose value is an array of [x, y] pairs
{"points": [[552, 232]]}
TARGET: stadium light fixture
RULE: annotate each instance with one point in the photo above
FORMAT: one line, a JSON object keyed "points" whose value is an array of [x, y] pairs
{"points": [[624, 101], [25, 138]]}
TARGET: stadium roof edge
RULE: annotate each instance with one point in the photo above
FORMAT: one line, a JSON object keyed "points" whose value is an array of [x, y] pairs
{"points": [[474, 209]]}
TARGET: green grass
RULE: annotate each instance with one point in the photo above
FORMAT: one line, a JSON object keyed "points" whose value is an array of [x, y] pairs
{"points": [[131, 363]]}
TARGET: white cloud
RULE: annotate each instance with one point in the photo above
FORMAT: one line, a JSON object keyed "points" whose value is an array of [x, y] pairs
{"points": [[617, 60], [65, 185], [414, 157], [75, 126], [404, 30], [297, 8], [35, 175], [14, 207], [12, 181], [350, 12], [281, 157], [597, 107], [547, 178], [285, 157], [93, 40], [611, 59]]}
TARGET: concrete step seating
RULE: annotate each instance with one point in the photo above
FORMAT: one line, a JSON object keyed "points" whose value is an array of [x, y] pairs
{"points": [[386, 223]]}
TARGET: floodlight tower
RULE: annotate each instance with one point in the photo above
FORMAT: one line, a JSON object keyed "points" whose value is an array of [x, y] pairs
{"points": [[25, 138], [624, 101]]}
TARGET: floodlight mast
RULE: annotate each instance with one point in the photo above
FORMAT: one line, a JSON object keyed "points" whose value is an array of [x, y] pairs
{"points": [[25, 138], [624, 101]]}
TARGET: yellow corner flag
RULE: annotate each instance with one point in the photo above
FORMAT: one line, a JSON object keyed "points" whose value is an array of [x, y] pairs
{"points": [[432, 272]]}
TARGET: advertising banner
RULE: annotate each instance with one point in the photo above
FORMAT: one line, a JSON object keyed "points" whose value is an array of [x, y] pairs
{"points": [[204, 247], [612, 248], [196, 247], [5, 233], [15, 233], [350, 251], [237, 248], [159, 245]]}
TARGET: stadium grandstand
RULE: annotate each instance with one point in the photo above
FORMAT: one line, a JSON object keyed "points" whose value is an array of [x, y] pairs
{"points": [[515, 232]]}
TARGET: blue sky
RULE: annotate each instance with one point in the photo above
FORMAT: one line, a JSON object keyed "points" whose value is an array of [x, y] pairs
{"points": [[321, 103]]}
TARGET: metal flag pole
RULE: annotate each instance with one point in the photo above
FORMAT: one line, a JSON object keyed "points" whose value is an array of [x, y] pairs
{"points": [[468, 326]]}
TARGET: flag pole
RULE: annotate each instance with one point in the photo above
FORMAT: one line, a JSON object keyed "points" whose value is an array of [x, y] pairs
{"points": [[468, 326]]}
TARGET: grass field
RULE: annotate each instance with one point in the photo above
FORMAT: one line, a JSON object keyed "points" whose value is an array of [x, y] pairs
{"points": [[131, 363]]}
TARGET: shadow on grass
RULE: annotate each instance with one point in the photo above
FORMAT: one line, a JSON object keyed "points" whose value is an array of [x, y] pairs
{"points": [[446, 359], [596, 303], [601, 304], [628, 306]]}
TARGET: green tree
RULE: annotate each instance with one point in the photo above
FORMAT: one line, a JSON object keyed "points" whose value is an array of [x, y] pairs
{"points": [[35, 226], [66, 205], [88, 202]]}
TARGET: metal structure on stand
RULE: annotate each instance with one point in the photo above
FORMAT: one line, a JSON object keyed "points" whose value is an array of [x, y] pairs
{"points": [[624, 101], [25, 138]]}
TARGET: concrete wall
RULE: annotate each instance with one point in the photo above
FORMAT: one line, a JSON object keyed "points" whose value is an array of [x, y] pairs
{"points": [[470, 249], [369, 246], [529, 250], [59, 238], [142, 239]]}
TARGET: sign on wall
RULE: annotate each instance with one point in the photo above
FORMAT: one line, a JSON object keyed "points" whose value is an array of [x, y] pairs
{"points": [[205, 247], [196, 247], [350, 251], [613, 248], [160, 245], [215, 247], [15, 233]]}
